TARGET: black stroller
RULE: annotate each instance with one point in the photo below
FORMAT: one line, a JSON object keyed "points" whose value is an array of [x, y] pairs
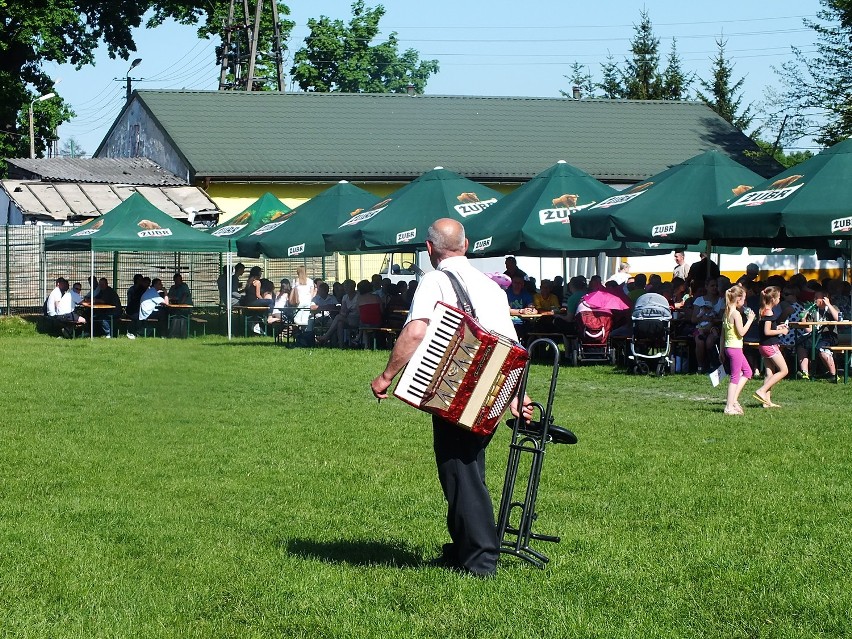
{"points": [[650, 344]]}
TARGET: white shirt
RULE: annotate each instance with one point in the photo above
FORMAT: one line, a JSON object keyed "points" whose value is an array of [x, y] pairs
{"points": [[304, 293], [487, 298], [151, 299], [59, 303]]}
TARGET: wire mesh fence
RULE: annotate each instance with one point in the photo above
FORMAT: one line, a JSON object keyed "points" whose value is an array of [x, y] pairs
{"points": [[28, 272]]}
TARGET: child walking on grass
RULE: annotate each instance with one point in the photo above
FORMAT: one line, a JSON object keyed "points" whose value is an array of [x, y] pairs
{"points": [[734, 329], [770, 339]]}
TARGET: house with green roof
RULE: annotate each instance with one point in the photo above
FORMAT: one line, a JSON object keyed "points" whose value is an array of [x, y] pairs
{"points": [[238, 145]]}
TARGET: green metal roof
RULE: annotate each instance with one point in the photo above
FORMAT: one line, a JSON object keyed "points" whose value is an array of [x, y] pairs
{"points": [[330, 136]]}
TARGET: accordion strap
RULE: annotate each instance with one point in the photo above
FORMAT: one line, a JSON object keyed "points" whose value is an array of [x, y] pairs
{"points": [[461, 293]]}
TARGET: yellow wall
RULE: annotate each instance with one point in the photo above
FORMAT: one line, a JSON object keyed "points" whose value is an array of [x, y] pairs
{"points": [[233, 198]]}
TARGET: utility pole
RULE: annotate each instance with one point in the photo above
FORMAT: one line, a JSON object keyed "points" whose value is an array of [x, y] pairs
{"points": [[241, 34]]}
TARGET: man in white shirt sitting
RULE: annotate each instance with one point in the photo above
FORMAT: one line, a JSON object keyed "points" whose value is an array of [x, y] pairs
{"points": [[60, 307], [150, 303]]}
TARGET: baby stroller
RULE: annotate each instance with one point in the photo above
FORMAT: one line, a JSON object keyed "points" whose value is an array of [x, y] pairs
{"points": [[650, 344], [593, 332]]}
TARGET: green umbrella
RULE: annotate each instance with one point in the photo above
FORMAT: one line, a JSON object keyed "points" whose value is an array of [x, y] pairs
{"points": [[136, 225], [401, 220], [669, 206], [537, 218], [300, 234], [808, 205], [267, 208]]}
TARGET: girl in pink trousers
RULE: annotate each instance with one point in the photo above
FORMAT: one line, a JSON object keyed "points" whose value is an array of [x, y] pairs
{"points": [[734, 329], [771, 331]]}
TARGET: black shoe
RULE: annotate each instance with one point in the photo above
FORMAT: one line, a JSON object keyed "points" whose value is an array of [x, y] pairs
{"points": [[66, 332]]}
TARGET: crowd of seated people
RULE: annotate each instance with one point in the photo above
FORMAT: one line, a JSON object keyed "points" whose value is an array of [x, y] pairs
{"points": [[341, 320], [698, 306]]}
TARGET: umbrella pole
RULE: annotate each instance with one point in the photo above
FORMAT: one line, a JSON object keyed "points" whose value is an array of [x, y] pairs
{"points": [[92, 297], [229, 266]]}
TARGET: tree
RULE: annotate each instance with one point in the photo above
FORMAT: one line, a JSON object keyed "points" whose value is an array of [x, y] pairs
{"points": [[721, 95], [581, 78], [641, 77], [610, 82], [212, 18], [339, 57], [61, 31], [71, 149], [784, 159], [816, 93], [675, 81]]}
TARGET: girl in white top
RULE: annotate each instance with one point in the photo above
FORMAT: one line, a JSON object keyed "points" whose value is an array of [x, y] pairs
{"points": [[282, 301], [303, 292]]}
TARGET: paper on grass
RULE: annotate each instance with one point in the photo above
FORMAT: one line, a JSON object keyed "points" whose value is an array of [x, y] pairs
{"points": [[718, 376]]}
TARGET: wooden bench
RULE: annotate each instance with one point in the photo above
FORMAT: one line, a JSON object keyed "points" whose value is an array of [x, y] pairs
{"points": [[254, 315], [143, 325], [201, 322], [369, 336], [567, 341], [67, 328], [846, 350]]}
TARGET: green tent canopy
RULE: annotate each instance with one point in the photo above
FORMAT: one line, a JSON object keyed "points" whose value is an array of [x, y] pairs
{"points": [[807, 205], [136, 225], [300, 233], [668, 207], [536, 219], [265, 210], [400, 221]]}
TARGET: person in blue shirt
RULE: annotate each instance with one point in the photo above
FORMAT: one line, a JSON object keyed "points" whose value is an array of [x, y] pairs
{"points": [[520, 302]]}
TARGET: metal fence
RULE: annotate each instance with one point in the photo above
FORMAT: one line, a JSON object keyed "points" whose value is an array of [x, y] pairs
{"points": [[28, 272]]}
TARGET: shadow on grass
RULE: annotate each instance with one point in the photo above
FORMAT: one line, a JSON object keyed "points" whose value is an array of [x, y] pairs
{"points": [[359, 552], [247, 341]]}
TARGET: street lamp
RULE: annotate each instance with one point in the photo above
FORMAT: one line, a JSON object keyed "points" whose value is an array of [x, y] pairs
{"points": [[46, 96], [133, 65]]}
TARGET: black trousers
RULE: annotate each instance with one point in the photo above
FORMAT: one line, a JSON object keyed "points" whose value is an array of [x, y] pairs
{"points": [[460, 456]]}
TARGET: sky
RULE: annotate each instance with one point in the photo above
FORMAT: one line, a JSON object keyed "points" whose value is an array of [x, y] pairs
{"points": [[499, 48]]}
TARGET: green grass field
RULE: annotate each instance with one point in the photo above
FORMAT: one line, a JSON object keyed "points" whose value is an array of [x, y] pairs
{"points": [[200, 488]]}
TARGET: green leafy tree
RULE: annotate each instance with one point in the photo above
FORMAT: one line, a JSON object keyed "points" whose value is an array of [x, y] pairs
{"points": [[579, 77], [816, 93], [340, 57], [641, 76], [61, 31], [784, 159], [675, 80], [723, 95]]}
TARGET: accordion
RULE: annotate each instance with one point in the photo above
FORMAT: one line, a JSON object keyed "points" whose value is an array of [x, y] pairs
{"points": [[462, 372]]}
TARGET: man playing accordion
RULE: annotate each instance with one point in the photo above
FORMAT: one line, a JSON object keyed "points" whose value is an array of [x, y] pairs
{"points": [[459, 453]]}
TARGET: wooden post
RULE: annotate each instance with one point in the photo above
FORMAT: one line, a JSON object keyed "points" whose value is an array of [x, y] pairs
{"points": [[253, 48]]}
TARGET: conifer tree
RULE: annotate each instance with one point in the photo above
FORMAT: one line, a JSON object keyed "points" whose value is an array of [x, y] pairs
{"points": [[579, 77], [722, 94], [676, 82], [641, 76], [610, 82]]}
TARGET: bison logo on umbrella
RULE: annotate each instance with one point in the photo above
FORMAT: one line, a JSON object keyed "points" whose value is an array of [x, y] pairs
{"points": [[151, 229], [470, 204]]}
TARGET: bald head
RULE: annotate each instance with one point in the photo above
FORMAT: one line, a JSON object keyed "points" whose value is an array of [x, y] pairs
{"points": [[447, 239]]}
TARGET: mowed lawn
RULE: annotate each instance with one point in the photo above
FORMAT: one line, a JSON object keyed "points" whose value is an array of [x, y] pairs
{"points": [[201, 488]]}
